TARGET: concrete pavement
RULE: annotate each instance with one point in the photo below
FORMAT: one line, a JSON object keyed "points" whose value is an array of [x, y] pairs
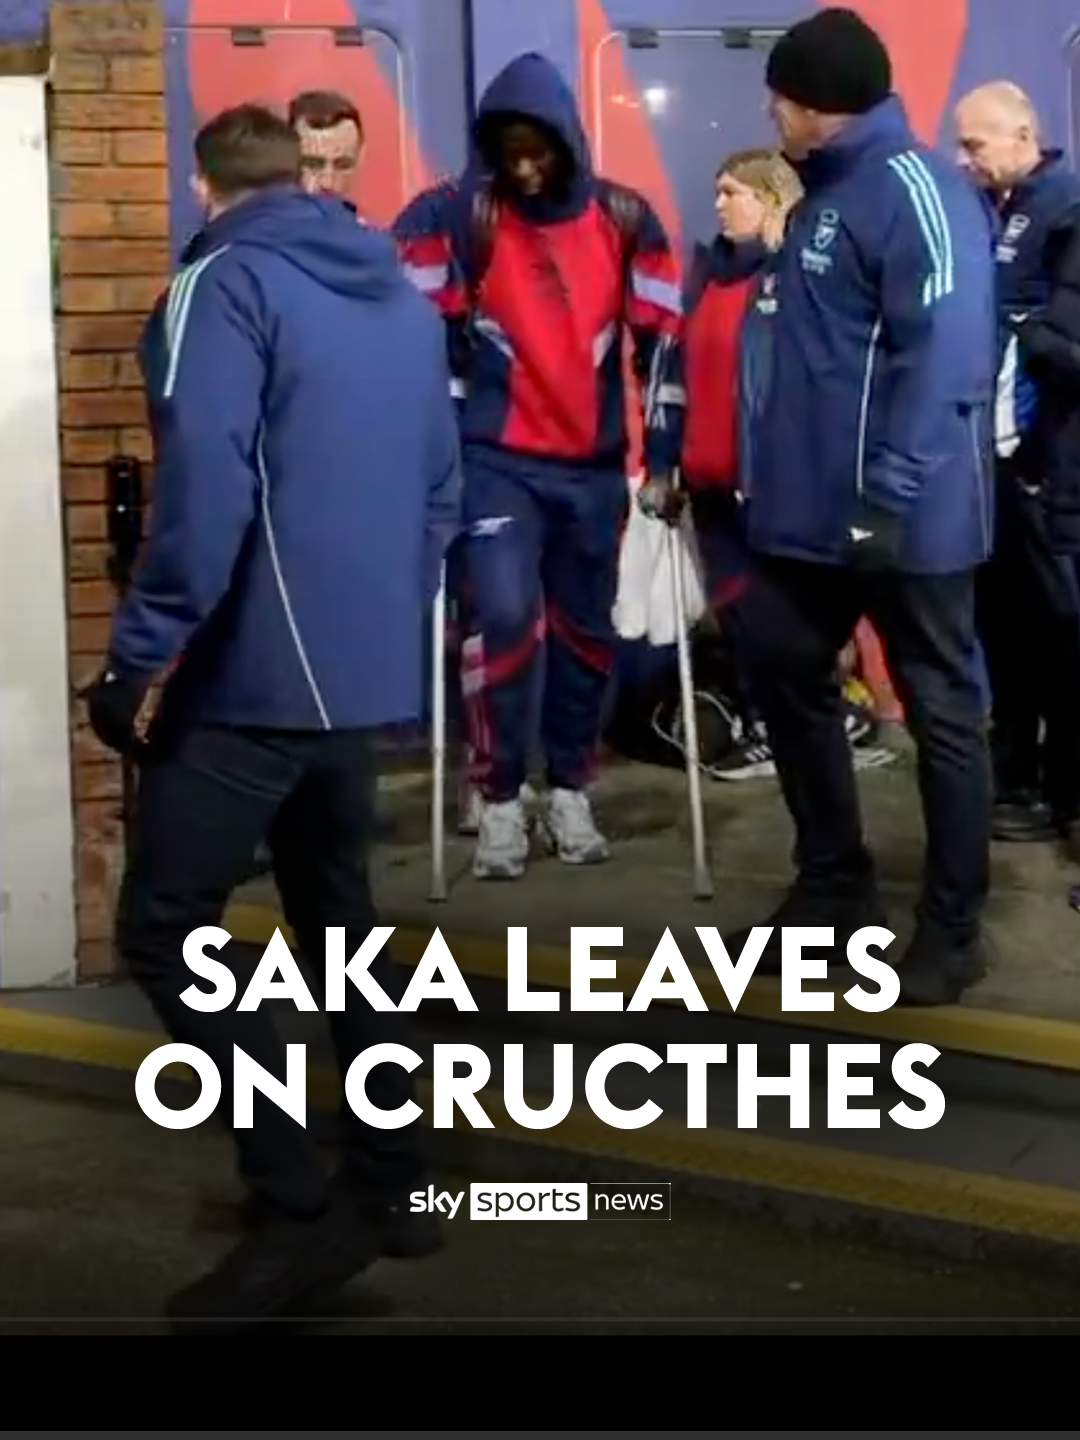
{"points": [[102, 1214]]}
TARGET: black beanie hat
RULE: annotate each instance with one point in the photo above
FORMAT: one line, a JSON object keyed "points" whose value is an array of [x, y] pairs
{"points": [[833, 62]]}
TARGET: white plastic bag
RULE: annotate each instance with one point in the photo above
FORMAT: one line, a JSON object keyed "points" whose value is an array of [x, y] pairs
{"points": [[645, 605]]}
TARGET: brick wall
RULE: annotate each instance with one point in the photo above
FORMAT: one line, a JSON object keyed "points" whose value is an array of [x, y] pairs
{"points": [[111, 191]]}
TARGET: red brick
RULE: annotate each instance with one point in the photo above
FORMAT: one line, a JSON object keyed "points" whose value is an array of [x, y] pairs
{"points": [[87, 560], [81, 147], [137, 442], [95, 409], [109, 112], [86, 522], [87, 372], [114, 257], [119, 27], [73, 72], [90, 333], [88, 447], [139, 293], [128, 372], [140, 147], [150, 221], [92, 597], [95, 919], [93, 217], [89, 634], [96, 959], [114, 182], [136, 75], [97, 782], [83, 484], [85, 296]]}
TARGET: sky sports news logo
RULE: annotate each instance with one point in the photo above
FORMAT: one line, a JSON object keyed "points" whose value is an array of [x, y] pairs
{"points": [[529, 1200]]}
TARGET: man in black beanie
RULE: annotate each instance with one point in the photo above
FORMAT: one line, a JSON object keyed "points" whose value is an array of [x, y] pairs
{"points": [[870, 492]]}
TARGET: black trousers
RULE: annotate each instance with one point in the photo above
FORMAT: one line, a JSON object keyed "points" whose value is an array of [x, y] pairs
{"points": [[207, 796], [796, 617], [1029, 622]]}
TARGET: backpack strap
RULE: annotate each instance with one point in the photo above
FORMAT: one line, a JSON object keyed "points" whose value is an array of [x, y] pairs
{"points": [[626, 209], [483, 220]]}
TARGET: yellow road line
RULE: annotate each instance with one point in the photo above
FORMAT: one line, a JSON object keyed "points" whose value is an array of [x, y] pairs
{"points": [[900, 1187], [992, 1034]]}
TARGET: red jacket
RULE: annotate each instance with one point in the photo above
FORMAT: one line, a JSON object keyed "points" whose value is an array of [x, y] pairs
{"points": [[721, 284]]}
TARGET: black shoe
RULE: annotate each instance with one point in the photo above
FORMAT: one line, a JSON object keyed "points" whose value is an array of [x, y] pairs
{"points": [[1029, 824], [405, 1236], [401, 1234], [262, 863], [844, 915], [936, 970], [279, 1267]]}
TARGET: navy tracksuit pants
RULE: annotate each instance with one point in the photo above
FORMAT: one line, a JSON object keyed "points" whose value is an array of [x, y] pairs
{"points": [[541, 565], [725, 556]]}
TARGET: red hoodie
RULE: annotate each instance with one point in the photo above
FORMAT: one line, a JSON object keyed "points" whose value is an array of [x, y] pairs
{"points": [[724, 278]]}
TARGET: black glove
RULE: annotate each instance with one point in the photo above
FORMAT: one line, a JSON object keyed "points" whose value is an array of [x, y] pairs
{"points": [[875, 540], [113, 702]]}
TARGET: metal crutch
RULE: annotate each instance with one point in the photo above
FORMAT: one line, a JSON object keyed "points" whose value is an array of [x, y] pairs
{"points": [[703, 885], [438, 744]]}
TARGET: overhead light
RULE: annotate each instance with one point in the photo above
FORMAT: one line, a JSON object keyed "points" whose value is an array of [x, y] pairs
{"points": [[656, 98]]}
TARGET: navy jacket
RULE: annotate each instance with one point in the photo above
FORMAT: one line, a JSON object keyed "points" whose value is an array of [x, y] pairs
{"points": [[755, 367], [306, 479], [882, 356], [1035, 222]]}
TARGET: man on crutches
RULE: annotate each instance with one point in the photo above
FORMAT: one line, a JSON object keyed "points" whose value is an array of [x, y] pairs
{"points": [[543, 430]]}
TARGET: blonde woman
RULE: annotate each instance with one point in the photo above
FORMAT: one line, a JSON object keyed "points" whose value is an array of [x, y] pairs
{"points": [[726, 350]]}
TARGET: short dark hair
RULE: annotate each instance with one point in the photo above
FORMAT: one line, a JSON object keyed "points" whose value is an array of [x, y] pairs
{"points": [[247, 148], [323, 109]]}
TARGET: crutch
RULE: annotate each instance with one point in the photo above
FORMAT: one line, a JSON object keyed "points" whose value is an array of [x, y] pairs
{"points": [[438, 743], [703, 885]]}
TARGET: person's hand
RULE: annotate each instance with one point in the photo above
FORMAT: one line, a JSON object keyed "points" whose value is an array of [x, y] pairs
{"points": [[875, 540], [661, 499], [147, 710], [120, 709]]}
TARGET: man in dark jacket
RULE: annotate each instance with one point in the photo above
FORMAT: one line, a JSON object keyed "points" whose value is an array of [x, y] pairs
{"points": [[539, 267], [1028, 613], [306, 488], [870, 491], [1049, 349]]}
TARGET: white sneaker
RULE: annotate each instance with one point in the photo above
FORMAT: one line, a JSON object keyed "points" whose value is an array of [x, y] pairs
{"points": [[472, 807], [571, 831], [502, 850]]}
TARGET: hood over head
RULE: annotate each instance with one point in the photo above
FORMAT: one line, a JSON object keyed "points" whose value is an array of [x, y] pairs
{"points": [[319, 234], [532, 88]]}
